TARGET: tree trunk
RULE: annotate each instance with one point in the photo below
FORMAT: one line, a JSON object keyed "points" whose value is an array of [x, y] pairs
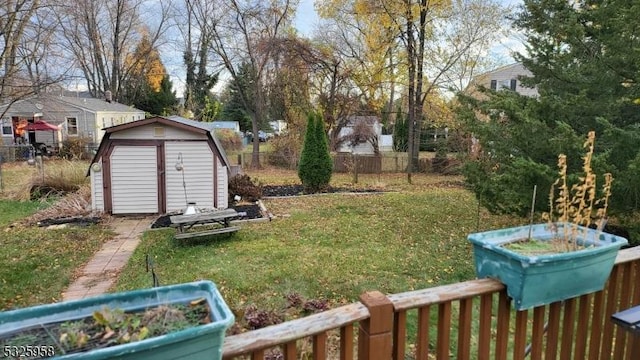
{"points": [[411, 115]]}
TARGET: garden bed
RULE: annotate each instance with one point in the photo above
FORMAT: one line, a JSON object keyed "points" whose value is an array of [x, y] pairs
{"points": [[297, 190], [106, 328]]}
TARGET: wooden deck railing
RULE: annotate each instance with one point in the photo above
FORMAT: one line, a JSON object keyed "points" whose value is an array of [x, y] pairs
{"points": [[471, 320]]}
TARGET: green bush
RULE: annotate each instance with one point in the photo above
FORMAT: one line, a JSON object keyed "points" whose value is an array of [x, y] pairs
{"points": [[315, 165]]}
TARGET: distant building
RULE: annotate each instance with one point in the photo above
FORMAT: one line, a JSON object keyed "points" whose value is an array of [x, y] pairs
{"points": [[505, 77], [279, 127], [82, 117], [231, 125], [373, 122]]}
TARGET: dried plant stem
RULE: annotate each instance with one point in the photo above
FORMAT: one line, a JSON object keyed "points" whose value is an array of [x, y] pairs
{"points": [[573, 207]]}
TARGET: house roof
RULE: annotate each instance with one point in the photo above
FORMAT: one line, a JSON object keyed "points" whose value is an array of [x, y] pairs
{"points": [[98, 105], [47, 102], [175, 121]]}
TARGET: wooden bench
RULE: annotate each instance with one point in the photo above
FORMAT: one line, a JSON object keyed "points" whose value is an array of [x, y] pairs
{"points": [[201, 234]]}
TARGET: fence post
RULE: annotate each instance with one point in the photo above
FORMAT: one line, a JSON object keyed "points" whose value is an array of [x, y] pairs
{"points": [[354, 157], [375, 335]]}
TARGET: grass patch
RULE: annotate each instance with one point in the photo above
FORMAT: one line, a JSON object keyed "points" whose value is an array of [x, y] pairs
{"points": [[328, 247], [38, 264], [11, 211]]}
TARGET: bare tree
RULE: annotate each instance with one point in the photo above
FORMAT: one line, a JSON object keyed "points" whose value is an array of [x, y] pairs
{"points": [[362, 132], [30, 58], [440, 41], [101, 34], [243, 32], [329, 81], [192, 20]]}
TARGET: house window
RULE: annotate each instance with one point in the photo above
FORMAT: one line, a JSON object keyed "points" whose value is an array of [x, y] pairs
{"points": [[6, 127], [72, 126], [503, 84]]}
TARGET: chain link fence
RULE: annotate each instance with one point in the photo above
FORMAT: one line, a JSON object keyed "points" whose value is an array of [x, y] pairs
{"points": [[11, 153]]}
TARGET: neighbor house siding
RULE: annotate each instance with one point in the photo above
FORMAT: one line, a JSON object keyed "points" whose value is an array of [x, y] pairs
{"points": [[506, 77], [198, 165], [223, 186], [97, 200], [134, 180]]}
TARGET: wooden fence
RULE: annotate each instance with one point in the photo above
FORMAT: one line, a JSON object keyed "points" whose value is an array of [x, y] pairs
{"points": [[468, 320], [342, 162]]}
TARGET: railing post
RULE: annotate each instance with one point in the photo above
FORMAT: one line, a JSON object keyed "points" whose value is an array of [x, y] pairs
{"points": [[375, 335]]}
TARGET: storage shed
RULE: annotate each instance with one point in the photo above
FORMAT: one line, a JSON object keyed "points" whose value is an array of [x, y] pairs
{"points": [[158, 165]]}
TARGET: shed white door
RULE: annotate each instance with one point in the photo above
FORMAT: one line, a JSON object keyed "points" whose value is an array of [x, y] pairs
{"points": [[198, 172], [134, 180]]}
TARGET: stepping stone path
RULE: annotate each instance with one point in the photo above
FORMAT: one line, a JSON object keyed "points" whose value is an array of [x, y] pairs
{"points": [[101, 272]]}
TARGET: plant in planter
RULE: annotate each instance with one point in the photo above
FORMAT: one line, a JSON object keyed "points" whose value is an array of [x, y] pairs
{"points": [[170, 322], [560, 259]]}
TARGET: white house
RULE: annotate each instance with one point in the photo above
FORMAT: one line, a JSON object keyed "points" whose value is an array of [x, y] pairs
{"points": [[505, 77], [76, 116], [365, 147], [279, 127], [159, 165]]}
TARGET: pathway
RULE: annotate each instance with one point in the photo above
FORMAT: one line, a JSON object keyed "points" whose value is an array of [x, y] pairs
{"points": [[101, 272]]}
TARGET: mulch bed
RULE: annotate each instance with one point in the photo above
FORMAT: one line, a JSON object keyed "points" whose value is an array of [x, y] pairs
{"points": [[297, 190], [79, 221]]}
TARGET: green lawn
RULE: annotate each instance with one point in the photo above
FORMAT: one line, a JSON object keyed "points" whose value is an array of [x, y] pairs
{"points": [[11, 211], [37, 264], [327, 247]]}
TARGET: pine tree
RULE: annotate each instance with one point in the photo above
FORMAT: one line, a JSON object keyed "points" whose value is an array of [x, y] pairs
{"points": [[400, 133], [325, 163], [315, 165], [585, 62]]}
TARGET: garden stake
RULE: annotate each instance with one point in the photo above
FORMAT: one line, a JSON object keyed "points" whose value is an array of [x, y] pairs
{"points": [[533, 206]]}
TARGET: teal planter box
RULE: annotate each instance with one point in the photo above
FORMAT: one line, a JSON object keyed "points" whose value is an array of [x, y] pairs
{"points": [[539, 280], [199, 342]]}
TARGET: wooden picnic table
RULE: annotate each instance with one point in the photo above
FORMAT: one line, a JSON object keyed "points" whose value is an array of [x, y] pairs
{"points": [[183, 223]]}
